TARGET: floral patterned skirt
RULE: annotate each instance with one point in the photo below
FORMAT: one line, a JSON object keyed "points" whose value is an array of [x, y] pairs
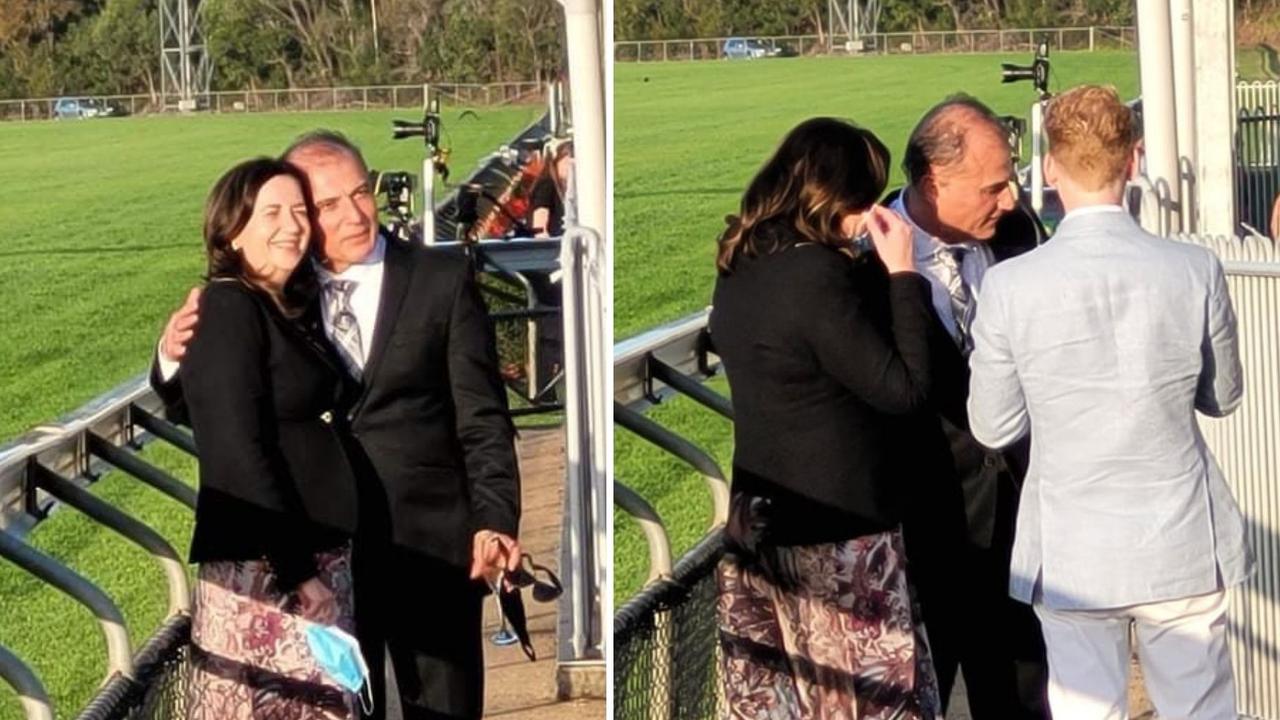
{"points": [[250, 659], [845, 643]]}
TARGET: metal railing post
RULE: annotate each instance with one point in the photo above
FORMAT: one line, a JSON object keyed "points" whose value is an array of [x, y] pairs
{"points": [[131, 528], [688, 386], [119, 658], [149, 474], [655, 532], [163, 429], [31, 693], [693, 455]]}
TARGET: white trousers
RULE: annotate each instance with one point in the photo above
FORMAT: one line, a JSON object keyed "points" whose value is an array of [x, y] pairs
{"points": [[1182, 646]]}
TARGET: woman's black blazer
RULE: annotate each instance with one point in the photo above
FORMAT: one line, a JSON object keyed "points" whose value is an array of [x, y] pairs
{"points": [[825, 357], [264, 401]]}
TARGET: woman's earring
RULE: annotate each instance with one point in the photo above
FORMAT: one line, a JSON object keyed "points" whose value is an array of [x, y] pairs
{"points": [[235, 247]]}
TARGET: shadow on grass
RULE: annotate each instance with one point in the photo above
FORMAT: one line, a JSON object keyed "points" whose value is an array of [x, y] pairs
{"points": [[116, 250]]}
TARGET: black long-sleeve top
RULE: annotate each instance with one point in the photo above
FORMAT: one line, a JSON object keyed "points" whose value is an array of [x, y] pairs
{"points": [[826, 357], [263, 399]]}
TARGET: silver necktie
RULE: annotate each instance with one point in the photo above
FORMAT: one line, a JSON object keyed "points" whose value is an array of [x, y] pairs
{"points": [[346, 331], [962, 304]]}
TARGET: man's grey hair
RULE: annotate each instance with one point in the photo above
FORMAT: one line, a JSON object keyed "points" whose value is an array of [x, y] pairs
{"points": [[939, 139], [324, 141]]}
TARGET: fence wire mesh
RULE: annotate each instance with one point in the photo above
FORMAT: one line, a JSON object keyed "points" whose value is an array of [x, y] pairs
{"points": [[158, 689], [666, 644]]}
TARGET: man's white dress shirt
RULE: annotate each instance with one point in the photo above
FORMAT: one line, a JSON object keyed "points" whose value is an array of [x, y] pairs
{"points": [[927, 251], [367, 275]]}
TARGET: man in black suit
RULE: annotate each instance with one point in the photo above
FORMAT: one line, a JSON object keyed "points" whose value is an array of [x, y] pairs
{"points": [[960, 201], [433, 438]]}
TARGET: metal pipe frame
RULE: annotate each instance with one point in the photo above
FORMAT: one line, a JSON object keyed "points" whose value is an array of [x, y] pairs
{"points": [[31, 693], [681, 344], [655, 532], [585, 262], [531, 329], [695, 456], [119, 658], [135, 466], [163, 429], [685, 385], [131, 528]]}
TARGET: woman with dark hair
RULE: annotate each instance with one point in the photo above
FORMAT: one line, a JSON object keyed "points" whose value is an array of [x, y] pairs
{"points": [[277, 496], [825, 343]]}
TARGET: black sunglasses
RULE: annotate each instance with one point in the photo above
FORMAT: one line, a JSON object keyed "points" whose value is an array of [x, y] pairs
{"points": [[528, 574]]}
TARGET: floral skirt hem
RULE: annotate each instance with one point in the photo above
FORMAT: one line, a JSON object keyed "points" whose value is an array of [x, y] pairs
{"points": [[844, 643]]}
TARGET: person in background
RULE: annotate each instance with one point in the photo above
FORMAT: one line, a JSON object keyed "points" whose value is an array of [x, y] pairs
{"points": [[547, 199]]}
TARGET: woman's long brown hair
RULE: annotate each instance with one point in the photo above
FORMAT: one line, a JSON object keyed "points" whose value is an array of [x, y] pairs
{"points": [[824, 169]]}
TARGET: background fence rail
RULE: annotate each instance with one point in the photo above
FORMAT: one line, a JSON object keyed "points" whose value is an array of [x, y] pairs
{"points": [[895, 43], [369, 97]]}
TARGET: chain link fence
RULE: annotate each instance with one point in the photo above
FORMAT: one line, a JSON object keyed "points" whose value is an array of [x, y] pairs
{"points": [[666, 647], [158, 689]]}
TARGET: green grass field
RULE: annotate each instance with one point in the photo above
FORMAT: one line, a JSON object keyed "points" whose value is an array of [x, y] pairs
{"points": [[688, 137], [102, 239]]}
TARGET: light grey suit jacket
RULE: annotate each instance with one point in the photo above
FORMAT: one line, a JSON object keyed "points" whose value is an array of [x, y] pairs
{"points": [[1106, 341]]}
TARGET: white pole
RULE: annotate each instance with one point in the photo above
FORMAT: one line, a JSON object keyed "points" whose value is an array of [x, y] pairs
{"points": [[588, 318], [428, 182], [587, 98], [1037, 156], [1155, 57], [1215, 72], [1184, 85]]}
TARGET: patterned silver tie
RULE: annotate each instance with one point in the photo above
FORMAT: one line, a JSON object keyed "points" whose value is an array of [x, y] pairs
{"points": [[346, 331], [962, 304]]}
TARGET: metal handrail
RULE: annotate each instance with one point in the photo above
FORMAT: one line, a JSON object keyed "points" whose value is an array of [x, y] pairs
{"points": [[107, 514], [119, 658], [31, 693], [694, 456], [668, 361], [680, 345], [655, 531]]}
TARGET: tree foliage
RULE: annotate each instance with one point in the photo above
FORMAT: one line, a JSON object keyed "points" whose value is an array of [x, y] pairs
{"points": [[64, 47]]}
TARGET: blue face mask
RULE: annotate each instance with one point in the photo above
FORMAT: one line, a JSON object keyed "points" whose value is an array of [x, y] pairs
{"points": [[338, 655]]}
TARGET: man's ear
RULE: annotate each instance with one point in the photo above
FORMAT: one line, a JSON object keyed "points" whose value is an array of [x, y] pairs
{"points": [[929, 186], [1135, 162], [1051, 170]]}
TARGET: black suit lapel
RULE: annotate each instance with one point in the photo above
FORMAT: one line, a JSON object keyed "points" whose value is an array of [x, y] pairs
{"points": [[396, 272]]}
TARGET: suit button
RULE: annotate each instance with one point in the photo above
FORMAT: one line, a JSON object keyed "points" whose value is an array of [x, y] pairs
{"points": [[989, 461], [327, 417]]}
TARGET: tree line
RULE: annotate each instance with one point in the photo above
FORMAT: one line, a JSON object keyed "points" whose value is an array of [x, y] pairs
{"points": [[106, 47]]}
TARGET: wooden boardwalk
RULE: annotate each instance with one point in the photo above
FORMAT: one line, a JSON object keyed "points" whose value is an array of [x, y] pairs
{"points": [[514, 686]]}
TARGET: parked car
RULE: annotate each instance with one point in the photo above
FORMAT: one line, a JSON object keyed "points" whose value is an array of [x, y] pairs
{"points": [[748, 49], [68, 107]]}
